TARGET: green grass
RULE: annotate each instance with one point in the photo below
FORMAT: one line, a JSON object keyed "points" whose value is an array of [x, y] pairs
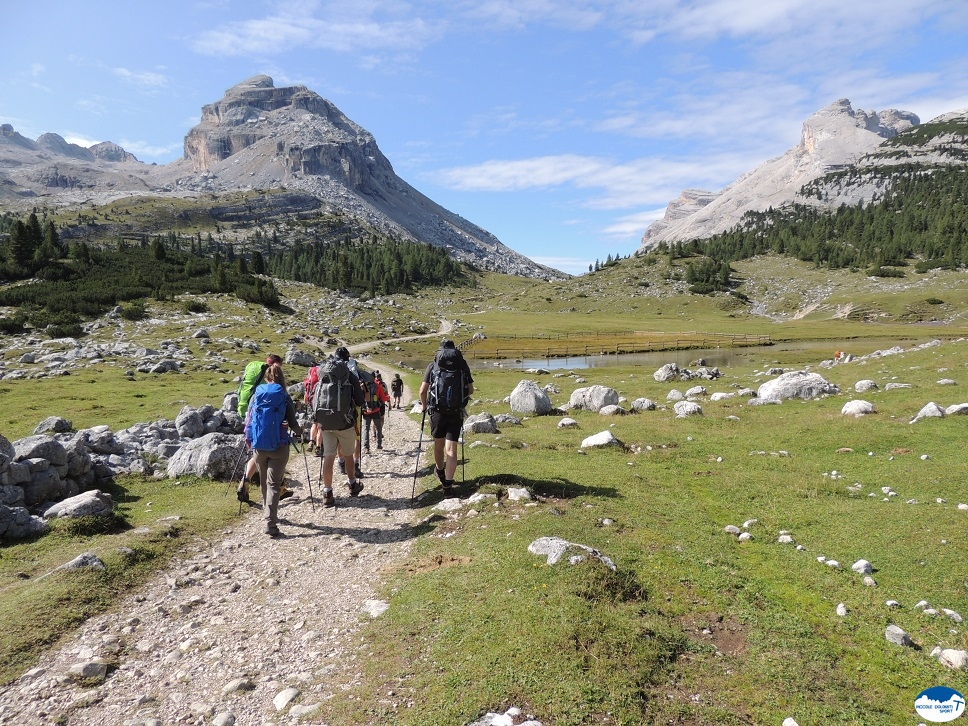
{"points": [[41, 606], [477, 623]]}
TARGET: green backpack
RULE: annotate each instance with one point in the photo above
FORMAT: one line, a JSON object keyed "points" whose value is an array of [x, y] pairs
{"points": [[254, 373]]}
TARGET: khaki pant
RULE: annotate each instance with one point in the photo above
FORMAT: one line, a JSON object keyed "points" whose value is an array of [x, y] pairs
{"points": [[272, 472]]}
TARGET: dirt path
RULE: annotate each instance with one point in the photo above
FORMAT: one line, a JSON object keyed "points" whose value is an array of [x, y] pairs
{"points": [[240, 618]]}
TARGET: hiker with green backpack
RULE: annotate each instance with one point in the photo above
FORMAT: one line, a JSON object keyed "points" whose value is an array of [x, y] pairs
{"points": [[254, 374], [271, 417]]}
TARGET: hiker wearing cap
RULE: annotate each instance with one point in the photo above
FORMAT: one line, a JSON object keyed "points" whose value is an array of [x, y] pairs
{"points": [[446, 388], [272, 416], [343, 354], [339, 397], [396, 388]]}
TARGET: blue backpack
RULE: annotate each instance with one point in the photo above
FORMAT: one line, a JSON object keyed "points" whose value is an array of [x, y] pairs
{"points": [[267, 410]]}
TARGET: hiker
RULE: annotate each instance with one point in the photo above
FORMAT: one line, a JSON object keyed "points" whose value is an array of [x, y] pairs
{"points": [[396, 386], [343, 354], [446, 388], [338, 396], [271, 418], [309, 390], [374, 410], [254, 374]]}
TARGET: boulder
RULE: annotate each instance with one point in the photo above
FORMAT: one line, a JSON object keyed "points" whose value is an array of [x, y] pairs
{"points": [[528, 398], [554, 548], [568, 423], [593, 398], [54, 424], [40, 447], [230, 401], [668, 372], [44, 486], [480, 423], [674, 395], [217, 456], [956, 409], [189, 423], [643, 404], [930, 410], [612, 411], [603, 438], [299, 358], [857, 408], [93, 503], [865, 386], [18, 523], [696, 391], [796, 384], [507, 419], [687, 408]]}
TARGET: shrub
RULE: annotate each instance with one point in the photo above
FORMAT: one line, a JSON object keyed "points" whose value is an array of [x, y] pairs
{"points": [[195, 306], [934, 301], [134, 311]]}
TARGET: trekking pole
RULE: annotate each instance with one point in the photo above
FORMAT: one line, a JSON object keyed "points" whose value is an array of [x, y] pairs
{"points": [[463, 461], [234, 468], [417, 467], [309, 480]]}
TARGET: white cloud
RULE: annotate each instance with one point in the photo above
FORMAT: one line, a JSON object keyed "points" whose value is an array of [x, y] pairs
{"points": [[145, 80], [144, 150], [385, 26], [80, 140], [571, 265], [37, 69], [633, 225], [633, 184]]}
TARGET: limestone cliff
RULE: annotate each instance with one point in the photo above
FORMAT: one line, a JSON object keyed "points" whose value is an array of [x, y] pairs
{"points": [[832, 138]]}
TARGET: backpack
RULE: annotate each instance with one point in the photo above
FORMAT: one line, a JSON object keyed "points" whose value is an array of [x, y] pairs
{"points": [[372, 406], [447, 392], [332, 405], [267, 412], [252, 377], [310, 383]]}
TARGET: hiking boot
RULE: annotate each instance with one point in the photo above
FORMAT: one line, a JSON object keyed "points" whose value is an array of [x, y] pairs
{"points": [[447, 487], [272, 530], [242, 493], [342, 466], [318, 453], [328, 499], [379, 446], [285, 492], [366, 450], [359, 472], [440, 476], [355, 488]]}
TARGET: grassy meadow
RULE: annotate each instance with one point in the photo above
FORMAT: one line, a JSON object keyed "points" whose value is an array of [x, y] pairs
{"points": [[693, 627]]}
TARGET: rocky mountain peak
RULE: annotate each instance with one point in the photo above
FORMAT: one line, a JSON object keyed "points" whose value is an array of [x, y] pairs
{"points": [[832, 138]]}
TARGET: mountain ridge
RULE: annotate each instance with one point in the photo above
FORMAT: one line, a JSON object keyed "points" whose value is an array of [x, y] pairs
{"points": [[257, 137], [833, 138]]}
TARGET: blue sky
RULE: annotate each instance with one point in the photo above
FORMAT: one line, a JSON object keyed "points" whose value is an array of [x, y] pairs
{"points": [[562, 126]]}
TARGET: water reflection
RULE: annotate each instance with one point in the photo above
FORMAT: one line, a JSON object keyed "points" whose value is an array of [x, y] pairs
{"points": [[719, 357]]}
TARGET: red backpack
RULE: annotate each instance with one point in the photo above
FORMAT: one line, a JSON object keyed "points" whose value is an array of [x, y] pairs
{"points": [[310, 383]]}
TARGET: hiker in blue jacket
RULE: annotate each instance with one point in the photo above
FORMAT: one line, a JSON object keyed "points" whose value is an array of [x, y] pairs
{"points": [[272, 416]]}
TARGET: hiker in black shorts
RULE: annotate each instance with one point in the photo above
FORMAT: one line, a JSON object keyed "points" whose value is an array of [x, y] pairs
{"points": [[446, 388]]}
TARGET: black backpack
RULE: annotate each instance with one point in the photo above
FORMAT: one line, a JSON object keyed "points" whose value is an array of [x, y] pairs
{"points": [[372, 405], [333, 407], [448, 390]]}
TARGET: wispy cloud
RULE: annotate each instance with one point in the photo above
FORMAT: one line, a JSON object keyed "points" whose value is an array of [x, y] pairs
{"points": [[628, 185], [144, 150], [385, 26], [145, 79]]}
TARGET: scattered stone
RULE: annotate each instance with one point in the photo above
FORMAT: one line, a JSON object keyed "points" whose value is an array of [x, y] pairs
{"points": [[731, 529], [931, 410], [593, 398], [480, 423], [555, 548], [529, 398], [896, 635], [862, 567], [796, 384], [567, 423], [687, 408], [870, 581], [950, 658], [857, 408], [842, 610], [864, 386], [745, 537], [88, 559], [284, 698], [785, 539], [519, 494], [94, 503], [603, 438]]}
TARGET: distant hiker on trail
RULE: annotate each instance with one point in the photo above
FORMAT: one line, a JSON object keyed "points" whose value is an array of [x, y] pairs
{"points": [[271, 417], [396, 386], [374, 410], [254, 374], [446, 388], [338, 397]]}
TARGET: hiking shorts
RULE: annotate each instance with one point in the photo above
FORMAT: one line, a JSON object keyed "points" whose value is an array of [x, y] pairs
{"points": [[346, 439], [446, 425]]}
